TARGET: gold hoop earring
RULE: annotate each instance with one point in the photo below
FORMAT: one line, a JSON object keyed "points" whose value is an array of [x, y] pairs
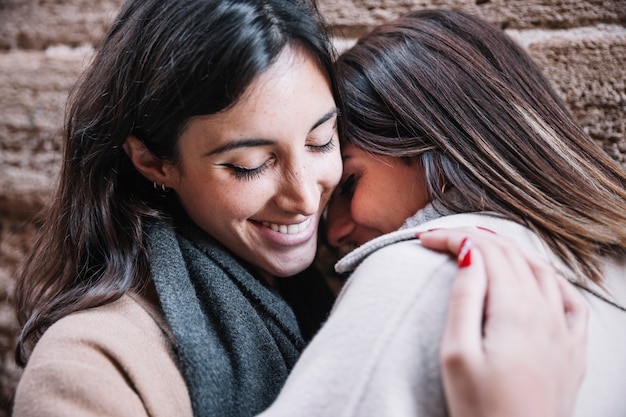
{"points": [[443, 187]]}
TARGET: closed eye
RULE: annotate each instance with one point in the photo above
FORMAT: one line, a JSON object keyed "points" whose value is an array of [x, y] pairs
{"points": [[327, 147], [346, 188], [246, 174]]}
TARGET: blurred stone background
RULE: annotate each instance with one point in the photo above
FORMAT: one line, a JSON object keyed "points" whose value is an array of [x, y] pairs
{"points": [[44, 45]]}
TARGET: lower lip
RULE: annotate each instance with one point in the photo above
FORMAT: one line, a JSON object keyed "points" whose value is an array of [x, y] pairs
{"points": [[283, 239]]}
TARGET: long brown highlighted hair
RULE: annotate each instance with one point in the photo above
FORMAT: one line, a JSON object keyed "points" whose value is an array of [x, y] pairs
{"points": [[458, 93]]}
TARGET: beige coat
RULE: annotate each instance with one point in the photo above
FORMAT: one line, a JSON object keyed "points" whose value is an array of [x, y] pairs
{"points": [[121, 354], [378, 354]]}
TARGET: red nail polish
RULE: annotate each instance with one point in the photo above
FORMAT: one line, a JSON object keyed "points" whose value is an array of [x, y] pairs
{"points": [[464, 258], [417, 234], [486, 230]]}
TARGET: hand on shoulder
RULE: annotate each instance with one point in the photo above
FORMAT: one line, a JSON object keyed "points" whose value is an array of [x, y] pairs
{"points": [[515, 339]]}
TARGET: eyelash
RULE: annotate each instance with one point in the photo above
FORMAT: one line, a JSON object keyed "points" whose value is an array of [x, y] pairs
{"points": [[327, 147], [346, 188], [247, 174]]}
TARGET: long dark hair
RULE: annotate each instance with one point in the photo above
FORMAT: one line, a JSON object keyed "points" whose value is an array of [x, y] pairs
{"points": [[160, 64], [460, 95]]}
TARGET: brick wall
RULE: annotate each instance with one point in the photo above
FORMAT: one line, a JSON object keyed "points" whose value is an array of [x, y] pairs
{"points": [[44, 45]]}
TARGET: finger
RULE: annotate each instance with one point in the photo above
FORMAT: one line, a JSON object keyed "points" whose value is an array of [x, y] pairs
{"points": [[549, 286], [577, 320], [575, 308], [494, 248], [462, 335], [510, 288], [520, 280], [514, 298], [450, 240]]}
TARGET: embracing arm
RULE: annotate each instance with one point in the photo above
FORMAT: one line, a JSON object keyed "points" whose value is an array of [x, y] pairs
{"points": [[379, 353]]}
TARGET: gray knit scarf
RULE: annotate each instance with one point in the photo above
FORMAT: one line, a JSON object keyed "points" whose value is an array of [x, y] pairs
{"points": [[236, 339]]}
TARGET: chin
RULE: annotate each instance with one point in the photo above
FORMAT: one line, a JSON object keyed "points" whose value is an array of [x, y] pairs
{"points": [[283, 273], [287, 264], [293, 268]]}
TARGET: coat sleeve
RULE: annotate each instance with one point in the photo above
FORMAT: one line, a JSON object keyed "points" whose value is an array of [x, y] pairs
{"points": [[378, 353]]}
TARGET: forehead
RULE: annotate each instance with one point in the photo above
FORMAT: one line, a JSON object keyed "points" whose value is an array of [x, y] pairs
{"points": [[285, 101], [351, 153], [378, 167], [294, 79]]}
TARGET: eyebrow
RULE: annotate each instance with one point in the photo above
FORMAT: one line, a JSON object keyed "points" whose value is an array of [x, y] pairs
{"points": [[324, 119], [249, 143]]}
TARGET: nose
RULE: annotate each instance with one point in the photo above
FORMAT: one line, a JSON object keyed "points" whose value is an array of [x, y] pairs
{"points": [[300, 191], [339, 223]]}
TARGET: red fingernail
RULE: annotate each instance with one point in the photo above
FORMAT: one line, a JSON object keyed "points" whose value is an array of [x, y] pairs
{"points": [[464, 258], [486, 230], [417, 234]]}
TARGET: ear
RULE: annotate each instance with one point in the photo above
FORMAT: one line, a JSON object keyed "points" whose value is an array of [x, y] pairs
{"points": [[151, 167]]}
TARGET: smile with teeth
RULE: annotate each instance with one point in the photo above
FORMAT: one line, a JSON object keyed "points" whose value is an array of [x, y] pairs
{"points": [[288, 229]]}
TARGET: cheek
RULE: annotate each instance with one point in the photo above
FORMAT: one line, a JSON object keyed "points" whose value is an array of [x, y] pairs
{"points": [[364, 208], [245, 199], [378, 207], [233, 205], [227, 199], [334, 168], [330, 174]]}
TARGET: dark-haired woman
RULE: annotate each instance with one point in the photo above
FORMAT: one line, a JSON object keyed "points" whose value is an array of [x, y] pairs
{"points": [[200, 150]]}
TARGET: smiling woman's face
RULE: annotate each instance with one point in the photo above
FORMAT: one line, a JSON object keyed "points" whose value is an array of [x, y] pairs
{"points": [[257, 176], [376, 195]]}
